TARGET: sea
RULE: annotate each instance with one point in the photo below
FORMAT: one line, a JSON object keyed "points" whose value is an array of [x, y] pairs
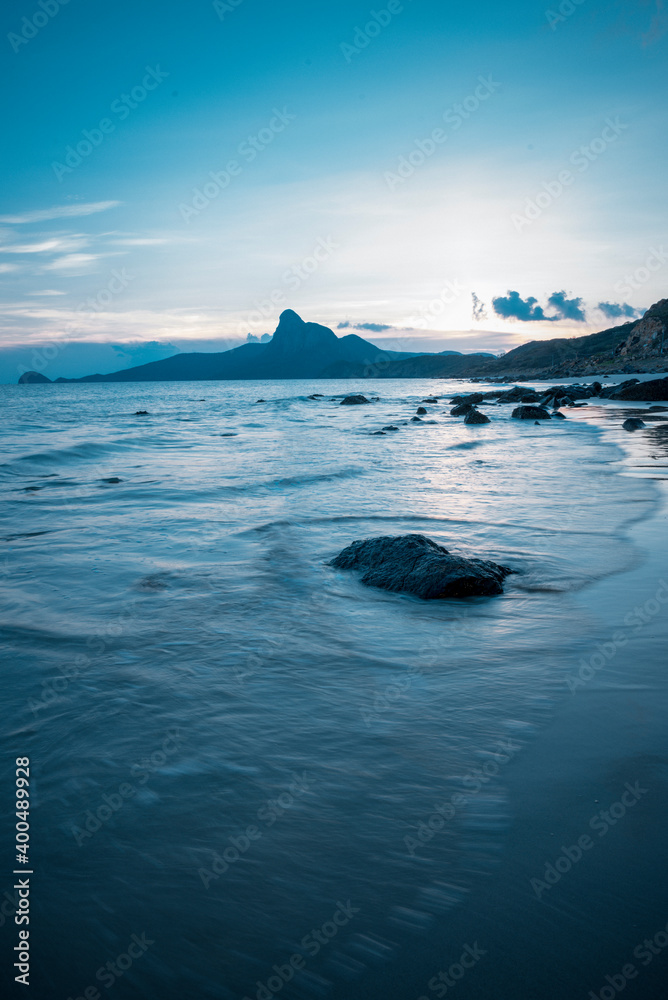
{"points": [[252, 776]]}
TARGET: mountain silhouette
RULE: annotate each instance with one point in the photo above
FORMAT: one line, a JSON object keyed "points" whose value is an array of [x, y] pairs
{"points": [[296, 350]]}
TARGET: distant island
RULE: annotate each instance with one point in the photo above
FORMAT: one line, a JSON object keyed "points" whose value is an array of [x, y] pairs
{"points": [[300, 350]]}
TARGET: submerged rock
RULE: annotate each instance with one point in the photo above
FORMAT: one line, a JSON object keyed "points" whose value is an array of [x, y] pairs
{"points": [[420, 411], [413, 564], [530, 413], [430, 399], [390, 427], [141, 413], [658, 409], [633, 424], [417, 420], [354, 400], [476, 417]]}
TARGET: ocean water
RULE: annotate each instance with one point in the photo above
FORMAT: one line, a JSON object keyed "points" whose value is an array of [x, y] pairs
{"points": [[241, 754]]}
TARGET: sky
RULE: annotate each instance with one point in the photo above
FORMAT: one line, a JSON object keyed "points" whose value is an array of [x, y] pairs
{"points": [[436, 175]]}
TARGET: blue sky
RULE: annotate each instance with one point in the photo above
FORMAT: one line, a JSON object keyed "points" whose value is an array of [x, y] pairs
{"points": [[374, 176]]}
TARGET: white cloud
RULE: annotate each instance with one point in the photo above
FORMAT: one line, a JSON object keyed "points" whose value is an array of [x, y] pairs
{"points": [[47, 291], [59, 212]]}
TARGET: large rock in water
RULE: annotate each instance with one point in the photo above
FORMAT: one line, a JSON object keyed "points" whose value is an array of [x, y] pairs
{"points": [[476, 417], [530, 413], [29, 378], [354, 400], [413, 564], [633, 424], [656, 388]]}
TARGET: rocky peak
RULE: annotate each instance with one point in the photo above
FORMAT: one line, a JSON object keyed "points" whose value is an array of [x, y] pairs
{"points": [[649, 336], [293, 335]]}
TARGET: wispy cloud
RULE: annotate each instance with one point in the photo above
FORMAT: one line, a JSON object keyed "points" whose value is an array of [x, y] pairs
{"points": [[658, 25], [74, 263], [59, 212], [47, 291], [139, 242], [371, 327], [616, 310], [58, 244]]}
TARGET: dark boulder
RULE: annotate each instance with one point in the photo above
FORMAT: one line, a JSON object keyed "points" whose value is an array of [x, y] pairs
{"points": [[390, 427], [141, 413], [633, 424], [413, 564], [530, 413], [470, 397], [558, 415], [513, 395], [656, 388], [430, 399], [461, 409], [417, 420], [611, 391], [476, 417], [420, 411], [658, 409], [354, 400]]}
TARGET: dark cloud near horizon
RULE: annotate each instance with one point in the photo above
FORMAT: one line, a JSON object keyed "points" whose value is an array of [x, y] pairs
{"points": [[615, 310], [567, 308], [479, 310], [371, 327], [513, 306]]}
